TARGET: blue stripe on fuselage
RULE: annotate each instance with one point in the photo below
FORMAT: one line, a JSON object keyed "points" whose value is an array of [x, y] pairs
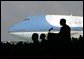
{"points": [[37, 23]]}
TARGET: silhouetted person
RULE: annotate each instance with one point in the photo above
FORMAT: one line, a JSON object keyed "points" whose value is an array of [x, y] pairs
{"points": [[35, 39], [43, 39], [80, 37], [65, 30], [64, 36], [43, 45], [35, 45]]}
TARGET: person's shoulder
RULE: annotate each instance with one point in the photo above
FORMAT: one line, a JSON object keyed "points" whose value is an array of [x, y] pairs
{"points": [[68, 27]]}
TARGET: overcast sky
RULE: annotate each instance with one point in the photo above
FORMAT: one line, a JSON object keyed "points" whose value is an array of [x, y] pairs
{"points": [[16, 11]]}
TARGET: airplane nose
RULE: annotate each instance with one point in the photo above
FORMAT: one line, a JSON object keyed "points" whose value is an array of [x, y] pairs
{"points": [[17, 27], [14, 27]]}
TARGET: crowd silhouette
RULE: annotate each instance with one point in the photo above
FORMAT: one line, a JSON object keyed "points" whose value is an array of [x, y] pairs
{"points": [[55, 45]]}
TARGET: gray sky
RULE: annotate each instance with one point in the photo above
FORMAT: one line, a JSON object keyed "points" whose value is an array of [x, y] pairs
{"points": [[16, 11]]}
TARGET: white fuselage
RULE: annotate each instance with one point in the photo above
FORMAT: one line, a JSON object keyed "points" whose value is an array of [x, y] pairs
{"points": [[27, 35]]}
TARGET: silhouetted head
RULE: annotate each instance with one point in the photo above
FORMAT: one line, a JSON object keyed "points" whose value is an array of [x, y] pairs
{"points": [[62, 22], [42, 36], [35, 37]]}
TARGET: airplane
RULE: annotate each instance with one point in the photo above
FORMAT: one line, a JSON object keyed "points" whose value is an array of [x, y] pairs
{"points": [[42, 23]]}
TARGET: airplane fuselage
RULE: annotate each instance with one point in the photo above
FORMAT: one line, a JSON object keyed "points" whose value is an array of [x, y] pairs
{"points": [[42, 23]]}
